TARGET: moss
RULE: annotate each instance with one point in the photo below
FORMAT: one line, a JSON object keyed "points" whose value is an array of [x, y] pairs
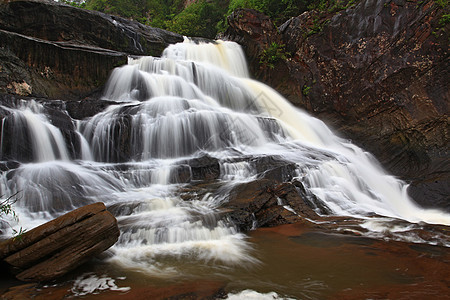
{"points": [[442, 3]]}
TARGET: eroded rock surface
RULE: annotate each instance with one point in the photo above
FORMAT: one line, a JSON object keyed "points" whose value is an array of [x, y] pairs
{"points": [[61, 52], [267, 203], [59, 246]]}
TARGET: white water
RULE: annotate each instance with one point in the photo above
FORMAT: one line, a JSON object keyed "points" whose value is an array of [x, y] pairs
{"points": [[195, 100], [92, 284], [249, 294]]}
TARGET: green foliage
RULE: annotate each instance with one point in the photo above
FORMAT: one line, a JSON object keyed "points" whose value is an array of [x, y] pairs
{"points": [[198, 19], [75, 3], [444, 20], [272, 54], [6, 209], [317, 26], [305, 90], [160, 12], [204, 18], [330, 6], [278, 10], [442, 3], [124, 8]]}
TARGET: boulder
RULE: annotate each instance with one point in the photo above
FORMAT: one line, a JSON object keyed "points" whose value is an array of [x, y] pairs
{"points": [[204, 168], [267, 203], [87, 108], [274, 168], [376, 71], [59, 246]]}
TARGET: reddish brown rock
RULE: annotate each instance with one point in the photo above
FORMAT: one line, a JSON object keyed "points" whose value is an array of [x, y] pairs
{"points": [[250, 25], [267, 203], [377, 71], [59, 246]]}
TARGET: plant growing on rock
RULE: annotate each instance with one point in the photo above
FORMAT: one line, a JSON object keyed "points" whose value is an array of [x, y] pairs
{"points": [[305, 90], [273, 54], [6, 209]]}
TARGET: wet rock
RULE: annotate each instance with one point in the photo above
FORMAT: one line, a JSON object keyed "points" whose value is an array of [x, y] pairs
{"points": [[9, 165], [435, 187], [204, 168], [181, 174], [59, 246], [274, 168], [375, 71], [266, 203], [25, 291]]}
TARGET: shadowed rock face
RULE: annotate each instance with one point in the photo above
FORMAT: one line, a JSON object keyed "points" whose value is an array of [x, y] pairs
{"points": [[62, 52], [63, 23], [377, 72]]}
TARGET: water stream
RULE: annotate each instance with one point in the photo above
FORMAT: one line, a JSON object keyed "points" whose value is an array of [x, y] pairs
{"points": [[196, 100]]}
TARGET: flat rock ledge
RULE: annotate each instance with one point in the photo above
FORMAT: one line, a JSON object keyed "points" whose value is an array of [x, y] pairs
{"points": [[59, 246]]}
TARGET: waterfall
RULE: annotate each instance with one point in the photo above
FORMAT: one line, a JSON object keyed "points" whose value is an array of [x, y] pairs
{"points": [[196, 101], [30, 127]]}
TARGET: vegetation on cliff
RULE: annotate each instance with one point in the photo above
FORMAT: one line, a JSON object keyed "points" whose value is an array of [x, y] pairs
{"points": [[203, 18]]}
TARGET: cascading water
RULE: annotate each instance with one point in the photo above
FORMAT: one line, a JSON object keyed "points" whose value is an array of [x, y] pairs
{"points": [[195, 100]]}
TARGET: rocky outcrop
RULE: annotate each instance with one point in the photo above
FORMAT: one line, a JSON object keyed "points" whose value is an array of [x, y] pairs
{"points": [[204, 168], [58, 51], [57, 70], [52, 21], [266, 203], [59, 246], [376, 71]]}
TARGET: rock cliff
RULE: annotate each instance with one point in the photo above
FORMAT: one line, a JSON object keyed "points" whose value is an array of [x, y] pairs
{"points": [[58, 51], [377, 71]]}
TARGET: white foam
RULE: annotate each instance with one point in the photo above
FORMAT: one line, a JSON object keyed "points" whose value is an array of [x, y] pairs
{"points": [[250, 294], [92, 284]]}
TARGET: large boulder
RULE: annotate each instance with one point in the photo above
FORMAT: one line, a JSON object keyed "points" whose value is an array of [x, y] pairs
{"points": [[376, 71], [267, 203], [59, 246], [57, 51]]}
